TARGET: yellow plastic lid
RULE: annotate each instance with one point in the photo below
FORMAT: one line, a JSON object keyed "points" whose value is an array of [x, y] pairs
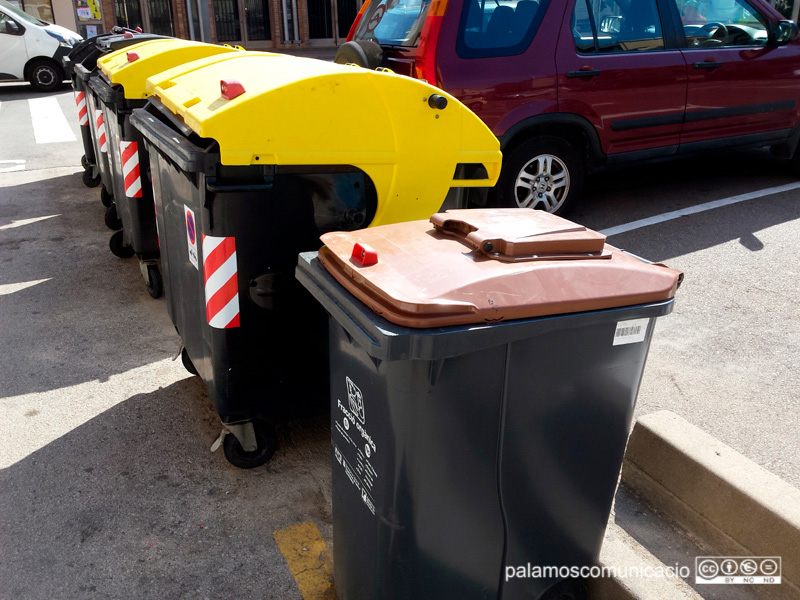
{"points": [[300, 111], [130, 66]]}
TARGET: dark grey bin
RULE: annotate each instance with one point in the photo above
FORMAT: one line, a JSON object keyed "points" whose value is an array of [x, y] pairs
{"points": [[460, 451]]}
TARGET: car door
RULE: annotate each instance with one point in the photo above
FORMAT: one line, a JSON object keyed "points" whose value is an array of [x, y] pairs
{"points": [[740, 83], [13, 53], [618, 66]]}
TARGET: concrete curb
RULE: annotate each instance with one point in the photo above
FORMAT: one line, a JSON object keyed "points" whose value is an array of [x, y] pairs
{"points": [[718, 495], [621, 551]]}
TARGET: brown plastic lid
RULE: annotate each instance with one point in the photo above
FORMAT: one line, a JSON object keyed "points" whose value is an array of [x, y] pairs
{"points": [[486, 266]]}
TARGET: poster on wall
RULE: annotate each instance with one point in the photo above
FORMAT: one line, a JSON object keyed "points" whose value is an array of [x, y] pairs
{"points": [[89, 10]]}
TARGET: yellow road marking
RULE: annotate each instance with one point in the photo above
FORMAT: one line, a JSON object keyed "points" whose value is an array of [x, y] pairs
{"points": [[309, 560]]}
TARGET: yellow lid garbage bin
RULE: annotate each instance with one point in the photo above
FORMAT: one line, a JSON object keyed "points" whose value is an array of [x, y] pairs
{"points": [[81, 65], [119, 87], [253, 157]]}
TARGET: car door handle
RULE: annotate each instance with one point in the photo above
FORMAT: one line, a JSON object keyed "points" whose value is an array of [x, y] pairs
{"points": [[707, 65], [584, 73]]}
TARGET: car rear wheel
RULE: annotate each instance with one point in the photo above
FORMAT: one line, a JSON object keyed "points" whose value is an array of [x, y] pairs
{"points": [[544, 173], [45, 76]]}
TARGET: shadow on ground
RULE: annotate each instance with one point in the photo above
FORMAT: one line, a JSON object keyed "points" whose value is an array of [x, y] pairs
{"points": [[132, 503], [92, 318]]}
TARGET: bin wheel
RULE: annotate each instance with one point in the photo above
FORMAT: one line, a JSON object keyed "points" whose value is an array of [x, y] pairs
{"points": [[89, 180], [155, 284], [267, 440], [106, 198], [188, 364], [118, 247], [112, 219], [85, 163]]}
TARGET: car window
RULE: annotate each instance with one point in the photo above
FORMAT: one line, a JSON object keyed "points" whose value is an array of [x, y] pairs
{"points": [[608, 26], [498, 27], [393, 22], [721, 23], [19, 15], [4, 21]]}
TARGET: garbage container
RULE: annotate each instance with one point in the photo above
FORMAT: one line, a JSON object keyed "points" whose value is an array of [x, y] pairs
{"points": [[484, 371], [81, 65], [253, 156], [120, 87]]}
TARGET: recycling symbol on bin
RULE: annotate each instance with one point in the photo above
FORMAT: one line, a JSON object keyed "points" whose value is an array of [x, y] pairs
{"points": [[356, 399]]}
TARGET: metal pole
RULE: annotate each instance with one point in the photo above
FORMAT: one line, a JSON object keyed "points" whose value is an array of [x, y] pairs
{"points": [[284, 10], [190, 18], [294, 22], [796, 10]]}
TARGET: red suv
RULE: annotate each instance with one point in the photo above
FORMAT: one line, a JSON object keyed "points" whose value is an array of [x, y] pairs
{"points": [[573, 86]]}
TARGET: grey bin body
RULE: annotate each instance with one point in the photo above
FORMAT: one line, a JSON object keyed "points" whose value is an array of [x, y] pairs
{"points": [[272, 365], [459, 451], [137, 215]]}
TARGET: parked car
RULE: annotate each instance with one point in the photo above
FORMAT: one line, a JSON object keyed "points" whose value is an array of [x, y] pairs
{"points": [[31, 49], [574, 86]]}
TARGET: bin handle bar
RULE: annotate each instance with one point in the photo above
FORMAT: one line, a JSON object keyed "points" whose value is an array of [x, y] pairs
{"points": [[177, 123], [211, 186]]}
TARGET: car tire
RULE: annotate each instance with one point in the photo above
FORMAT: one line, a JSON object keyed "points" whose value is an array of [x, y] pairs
{"points": [[364, 53], [544, 172], [793, 163], [45, 76]]}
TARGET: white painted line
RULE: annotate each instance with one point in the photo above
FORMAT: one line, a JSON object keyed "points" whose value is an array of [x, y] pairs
{"points": [[691, 210], [10, 288], [15, 165], [22, 222], [49, 123]]}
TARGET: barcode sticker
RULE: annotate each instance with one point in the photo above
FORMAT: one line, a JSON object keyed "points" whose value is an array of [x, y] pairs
{"points": [[631, 332]]}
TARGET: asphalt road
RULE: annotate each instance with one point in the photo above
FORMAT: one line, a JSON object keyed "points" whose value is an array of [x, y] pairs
{"points": [[107, 485]]}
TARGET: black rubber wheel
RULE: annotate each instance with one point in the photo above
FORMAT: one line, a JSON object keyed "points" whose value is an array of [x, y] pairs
{"points": [[544, 172], [106, 198], [118, 247], [45, 76], [112, 219], [85, 163], [155, 284], [364, 53], [187, 362], [267, 440], [793, 163], [89, 180]]}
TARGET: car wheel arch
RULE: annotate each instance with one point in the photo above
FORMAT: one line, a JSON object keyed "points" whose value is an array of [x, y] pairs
{"points": [[574, 129], [37, 59]]}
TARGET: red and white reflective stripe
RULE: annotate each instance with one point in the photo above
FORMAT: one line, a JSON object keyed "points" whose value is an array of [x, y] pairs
{"points": [[129, 151], [83, 111], [222, 291], [101, 132]]}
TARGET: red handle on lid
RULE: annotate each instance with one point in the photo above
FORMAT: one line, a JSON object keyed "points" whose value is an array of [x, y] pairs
{"points": [[132, 56], [231, 88], [364, 255]]}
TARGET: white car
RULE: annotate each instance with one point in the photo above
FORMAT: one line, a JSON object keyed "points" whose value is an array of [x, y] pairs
{"points": [[31, 49]]}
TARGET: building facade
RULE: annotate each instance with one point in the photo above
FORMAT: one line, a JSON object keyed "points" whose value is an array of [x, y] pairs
{"points": [[253, 24]]}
